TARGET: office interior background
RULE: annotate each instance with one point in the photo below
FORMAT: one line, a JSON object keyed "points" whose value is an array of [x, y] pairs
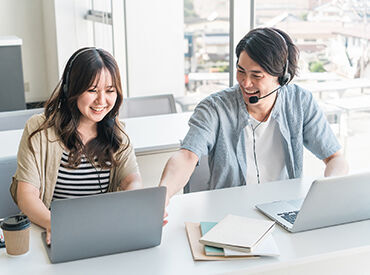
{"points": [[186, 48]]}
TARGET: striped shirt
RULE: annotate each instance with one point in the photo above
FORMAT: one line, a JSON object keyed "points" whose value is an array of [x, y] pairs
{"points": [[82, 181]]}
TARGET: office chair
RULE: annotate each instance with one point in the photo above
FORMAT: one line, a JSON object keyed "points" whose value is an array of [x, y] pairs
{"points": [[14, 120], [199, 180], [8, 165], [147, 106]]}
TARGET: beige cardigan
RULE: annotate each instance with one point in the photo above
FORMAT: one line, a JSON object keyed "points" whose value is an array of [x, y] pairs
{"points": [[41, 167]]}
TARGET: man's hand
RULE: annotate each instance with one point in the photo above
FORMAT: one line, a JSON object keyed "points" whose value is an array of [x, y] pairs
{"points": [[165, 215], [48, 236]]}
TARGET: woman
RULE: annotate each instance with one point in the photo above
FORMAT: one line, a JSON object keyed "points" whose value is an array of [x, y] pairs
{"points": [[76, 147], [255, 132]]}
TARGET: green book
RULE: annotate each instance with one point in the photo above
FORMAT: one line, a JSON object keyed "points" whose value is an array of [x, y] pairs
{"points": [[210, 250]]}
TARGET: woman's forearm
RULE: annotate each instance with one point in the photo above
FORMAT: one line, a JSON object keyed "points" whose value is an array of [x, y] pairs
{"points": [[31, 205], [131, 182]]}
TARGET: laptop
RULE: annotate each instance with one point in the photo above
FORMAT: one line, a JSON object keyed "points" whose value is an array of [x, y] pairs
{"points": [[329, 201], [105, 224]]}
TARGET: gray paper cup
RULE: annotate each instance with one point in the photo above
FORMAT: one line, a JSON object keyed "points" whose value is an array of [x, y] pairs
{"points": [[16, 231]]}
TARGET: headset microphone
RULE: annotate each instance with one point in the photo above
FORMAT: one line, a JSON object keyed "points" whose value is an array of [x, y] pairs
{"points": [[254, 99]]}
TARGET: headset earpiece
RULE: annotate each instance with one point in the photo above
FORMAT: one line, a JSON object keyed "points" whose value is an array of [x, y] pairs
{"points": [[66, 80], [286, 77], [64, 90], [68, 72], [283, 80]]}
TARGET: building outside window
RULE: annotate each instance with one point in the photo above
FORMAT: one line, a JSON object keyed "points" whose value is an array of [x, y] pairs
{"points": [[206, 36], [333, 39]]}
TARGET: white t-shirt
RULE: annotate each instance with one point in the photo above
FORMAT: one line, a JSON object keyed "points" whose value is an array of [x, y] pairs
{"points": [[268, 151]]}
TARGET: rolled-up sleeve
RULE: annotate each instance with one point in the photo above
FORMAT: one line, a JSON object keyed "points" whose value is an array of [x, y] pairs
{"points": [[27, 159], [318, 136], [127, 164]]}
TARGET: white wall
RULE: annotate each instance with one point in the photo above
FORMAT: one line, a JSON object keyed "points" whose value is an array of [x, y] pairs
{"points": [[155, 58], [24, 18], [155, 43], [50, 44], [72, 30], [52, 30]]}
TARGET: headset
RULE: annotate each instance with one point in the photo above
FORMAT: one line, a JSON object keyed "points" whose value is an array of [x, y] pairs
{"points": [[283, 80], [69, 68], [286, 77]]}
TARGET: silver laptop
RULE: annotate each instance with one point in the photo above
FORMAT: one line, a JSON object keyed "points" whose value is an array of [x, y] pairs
{"points": [[329, 201], [105, 224]]}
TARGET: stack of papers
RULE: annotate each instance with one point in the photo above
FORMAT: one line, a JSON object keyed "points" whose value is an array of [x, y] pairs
{"points": [[232, 237]]}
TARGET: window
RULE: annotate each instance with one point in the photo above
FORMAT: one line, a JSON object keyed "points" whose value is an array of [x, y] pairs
{"points": [[333, 39], [206, 39], [100, 15]]}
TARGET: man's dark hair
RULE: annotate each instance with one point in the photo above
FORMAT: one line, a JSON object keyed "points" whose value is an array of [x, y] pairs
{"points": [[270, 48]]}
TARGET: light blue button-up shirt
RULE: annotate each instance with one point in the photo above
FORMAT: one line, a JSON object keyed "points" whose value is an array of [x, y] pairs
{"points": [[216, 130]]}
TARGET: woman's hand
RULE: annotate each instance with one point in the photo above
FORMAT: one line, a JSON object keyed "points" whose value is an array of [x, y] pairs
{"points": [[29, 202]]}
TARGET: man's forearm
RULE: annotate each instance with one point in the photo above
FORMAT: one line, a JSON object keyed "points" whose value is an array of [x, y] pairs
{"points": [[178, 171], [336, 166]]}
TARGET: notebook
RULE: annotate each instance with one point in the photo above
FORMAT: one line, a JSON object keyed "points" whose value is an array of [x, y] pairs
{"points": [[237, 233], [197, 249], [266, 247], [105, 224], [210, 250]]}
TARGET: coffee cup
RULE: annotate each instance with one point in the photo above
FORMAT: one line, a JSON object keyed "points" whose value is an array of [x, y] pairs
{"points": [[16, 230]]}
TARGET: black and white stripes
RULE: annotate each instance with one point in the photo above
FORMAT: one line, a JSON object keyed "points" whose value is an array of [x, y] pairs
{"points": [[83, 181]]}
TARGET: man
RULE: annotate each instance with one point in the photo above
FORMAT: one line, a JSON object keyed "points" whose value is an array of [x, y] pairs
{"points": [[255, 131]]}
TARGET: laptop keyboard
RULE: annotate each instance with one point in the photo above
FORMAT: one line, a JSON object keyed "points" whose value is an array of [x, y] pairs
{"points": [[289, 216]]}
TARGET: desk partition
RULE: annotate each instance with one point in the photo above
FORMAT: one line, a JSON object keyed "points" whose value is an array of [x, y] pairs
{"points": [[11, 74]]}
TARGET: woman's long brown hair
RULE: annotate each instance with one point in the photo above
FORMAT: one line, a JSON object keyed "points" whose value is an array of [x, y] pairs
{"points": [[62, 113]]}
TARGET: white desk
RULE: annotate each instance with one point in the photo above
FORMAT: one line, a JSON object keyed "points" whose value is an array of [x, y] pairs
{"points": [[9, 141], [149, 135], [160, 133], [173, 256], [316, 76], [208, 76], [338, 85], [352, 104]]}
